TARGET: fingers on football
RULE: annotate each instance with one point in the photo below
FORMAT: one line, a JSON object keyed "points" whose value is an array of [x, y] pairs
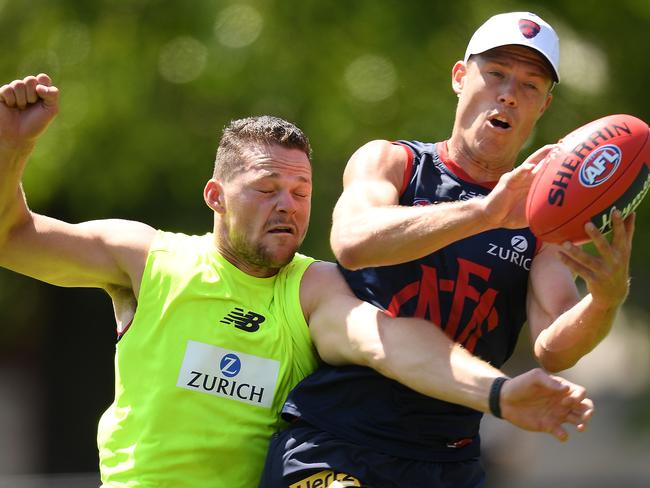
{"points": [[540, 154], [629, 223], [578, 260], [599, 240], [623, 231]]}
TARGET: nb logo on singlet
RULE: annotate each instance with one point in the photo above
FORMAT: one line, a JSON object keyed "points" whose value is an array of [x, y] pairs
{"points": [[248, 322]]}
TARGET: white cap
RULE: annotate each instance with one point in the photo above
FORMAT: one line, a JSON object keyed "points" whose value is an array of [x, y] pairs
{"points": [[522, 28]]}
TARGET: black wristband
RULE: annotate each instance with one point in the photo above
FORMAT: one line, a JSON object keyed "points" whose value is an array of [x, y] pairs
{"points": [[495, 396]]}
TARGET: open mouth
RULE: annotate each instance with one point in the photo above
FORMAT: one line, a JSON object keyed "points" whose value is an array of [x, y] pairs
{"points": [[499, 122], [281, 230]]}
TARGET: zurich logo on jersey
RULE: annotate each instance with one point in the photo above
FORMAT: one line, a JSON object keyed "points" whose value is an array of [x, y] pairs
{"points": [[514, 254], [230, 365], [519, 243], [220, 372], [600, 165]]}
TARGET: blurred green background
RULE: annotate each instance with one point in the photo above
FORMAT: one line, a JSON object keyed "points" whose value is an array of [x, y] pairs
{"points": [[146, 87]]}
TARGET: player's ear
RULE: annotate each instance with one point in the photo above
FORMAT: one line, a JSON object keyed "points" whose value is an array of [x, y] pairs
{"points": [[214, 196], [458, 73]]}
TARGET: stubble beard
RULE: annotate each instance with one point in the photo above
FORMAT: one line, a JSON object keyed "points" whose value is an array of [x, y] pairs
{"points": [[259, 255]]}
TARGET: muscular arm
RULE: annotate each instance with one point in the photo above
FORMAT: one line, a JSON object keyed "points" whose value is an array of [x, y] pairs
{"points": [[419, 355], [370, 228], [107, 254], [564, 326], [102, 254], [348, 330]]}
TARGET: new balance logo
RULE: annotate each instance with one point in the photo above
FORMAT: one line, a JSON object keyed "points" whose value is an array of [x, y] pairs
{"points": [[249, 321]]}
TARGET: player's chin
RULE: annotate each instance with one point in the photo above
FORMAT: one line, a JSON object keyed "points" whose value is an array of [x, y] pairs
{"points": [[281, 255]]}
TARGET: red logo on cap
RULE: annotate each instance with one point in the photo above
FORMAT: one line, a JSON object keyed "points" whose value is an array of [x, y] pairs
{"points": [[529, 28]]}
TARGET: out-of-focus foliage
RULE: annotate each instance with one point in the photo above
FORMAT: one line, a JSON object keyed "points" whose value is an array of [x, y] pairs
{"points": [[147, 86]]}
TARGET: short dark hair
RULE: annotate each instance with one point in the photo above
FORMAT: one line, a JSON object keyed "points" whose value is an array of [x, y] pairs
{"points": [[239, 134]]}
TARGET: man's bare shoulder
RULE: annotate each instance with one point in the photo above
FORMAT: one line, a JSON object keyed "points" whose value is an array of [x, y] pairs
{"points": [[321, 284], [379, 158]]}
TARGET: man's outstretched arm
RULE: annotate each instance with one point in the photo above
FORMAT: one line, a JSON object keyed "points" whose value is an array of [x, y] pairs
{"points": [[418, 354], [370, 228], [105, 254]]}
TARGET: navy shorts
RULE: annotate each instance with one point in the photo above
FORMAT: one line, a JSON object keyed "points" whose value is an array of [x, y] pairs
{"points": [[303, 456]]}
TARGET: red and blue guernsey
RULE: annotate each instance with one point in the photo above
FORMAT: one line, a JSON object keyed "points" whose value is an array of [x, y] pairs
{"points": [[474, 290]]}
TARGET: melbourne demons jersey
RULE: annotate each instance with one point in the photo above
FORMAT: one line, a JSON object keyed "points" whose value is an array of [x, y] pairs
{"points": [[473, 289]]}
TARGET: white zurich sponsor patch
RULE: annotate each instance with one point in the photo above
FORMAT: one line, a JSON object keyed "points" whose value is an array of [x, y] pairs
{"points": [[230, 374]]}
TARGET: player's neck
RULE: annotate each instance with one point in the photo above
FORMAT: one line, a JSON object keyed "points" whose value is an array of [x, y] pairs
{"points": [[480, 167], [240, 261]]}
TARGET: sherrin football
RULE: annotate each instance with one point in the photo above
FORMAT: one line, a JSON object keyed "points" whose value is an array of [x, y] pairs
{"points": [[601, 165]]}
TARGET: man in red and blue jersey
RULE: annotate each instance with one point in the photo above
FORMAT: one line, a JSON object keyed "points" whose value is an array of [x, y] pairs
{"points": [[438, 230]]}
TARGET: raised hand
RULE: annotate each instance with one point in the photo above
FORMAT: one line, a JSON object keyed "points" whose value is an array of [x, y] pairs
{"points": [[538, 402], [505, 206], [27, 106]]}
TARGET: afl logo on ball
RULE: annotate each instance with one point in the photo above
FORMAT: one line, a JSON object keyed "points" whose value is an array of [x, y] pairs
{"points": [[600, 165], [529, 28]]}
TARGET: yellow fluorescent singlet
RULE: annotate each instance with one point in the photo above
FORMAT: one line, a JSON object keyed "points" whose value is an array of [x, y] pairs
{"points": [[203, 371]]}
